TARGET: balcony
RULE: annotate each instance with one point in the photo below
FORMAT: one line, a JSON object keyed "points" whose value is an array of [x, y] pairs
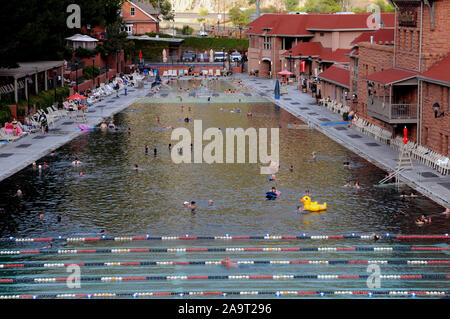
{"points": [[392, 113]]}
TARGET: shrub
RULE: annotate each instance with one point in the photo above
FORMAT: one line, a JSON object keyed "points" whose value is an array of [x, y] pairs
{"points": [[83, 53], [187, 30], [87, 72]]}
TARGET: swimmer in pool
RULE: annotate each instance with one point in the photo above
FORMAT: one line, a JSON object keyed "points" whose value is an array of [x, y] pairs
{"points": [[192, 207], [170, 146], [357, 185], [34, 165], [155, 151], [19, 193], [103, 126], [348, 184], [76, 161], [274, 190], [314, 156], [136, 167], [211, 203], [346, 164], [271, 178], [81, 174], [227, 263], [111, 124], [146, 149]]}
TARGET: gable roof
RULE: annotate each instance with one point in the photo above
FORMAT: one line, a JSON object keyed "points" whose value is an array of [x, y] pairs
{"points": [[339, 55], [336, 75], [146, 8], [307, 49], [439, 72], [390, 76], [385, 36], [306, 24]]}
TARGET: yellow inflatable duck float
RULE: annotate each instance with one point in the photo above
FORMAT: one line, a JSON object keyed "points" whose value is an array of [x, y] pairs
{"points": [[312, 206]]}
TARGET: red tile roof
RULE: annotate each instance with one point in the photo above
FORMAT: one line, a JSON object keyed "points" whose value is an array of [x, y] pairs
{"points": [[339, 55], [390, 76], [308, 49], [336, 75], [304, 24], [440, 71], [385, 36]]}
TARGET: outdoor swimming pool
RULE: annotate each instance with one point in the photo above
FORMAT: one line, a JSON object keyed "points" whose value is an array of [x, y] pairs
{"points": [[111, 196]]}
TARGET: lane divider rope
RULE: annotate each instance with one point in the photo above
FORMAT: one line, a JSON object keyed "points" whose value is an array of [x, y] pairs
{"points": [[220, 249], [383, 293], [31, 280], [422, 262], [225, 237]]}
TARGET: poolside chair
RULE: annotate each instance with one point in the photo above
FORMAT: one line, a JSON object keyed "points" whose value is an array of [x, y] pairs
{"points": [[217, 72], [186, 72], [7, 136], [211, 72]]}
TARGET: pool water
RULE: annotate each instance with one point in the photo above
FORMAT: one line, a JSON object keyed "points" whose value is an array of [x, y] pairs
{"points": [[112, 196]]}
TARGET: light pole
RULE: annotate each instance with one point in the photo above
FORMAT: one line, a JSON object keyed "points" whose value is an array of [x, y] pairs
{"points": [[173, 24], [117, 56], [27, 80], [93, 73], [219, 16], [55, 70], [107, 68], [290, 60], [76, 77], [223, 50]]}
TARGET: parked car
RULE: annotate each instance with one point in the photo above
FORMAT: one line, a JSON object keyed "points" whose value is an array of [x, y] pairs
{"points": [[236, 56], [220, 56], [203, 57], [188, 56], [202, 33]]}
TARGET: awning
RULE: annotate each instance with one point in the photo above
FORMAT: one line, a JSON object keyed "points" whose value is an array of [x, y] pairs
{"points": [[391, 76], [266, 59]]}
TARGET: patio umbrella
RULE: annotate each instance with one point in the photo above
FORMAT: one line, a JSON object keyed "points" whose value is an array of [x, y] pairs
{"points": [[277, 90], [76, 97], [285, 72]]}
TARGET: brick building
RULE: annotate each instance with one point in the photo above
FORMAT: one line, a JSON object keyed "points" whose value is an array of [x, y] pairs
{"points": [[282, 41], [140, 17], [397, 85]]}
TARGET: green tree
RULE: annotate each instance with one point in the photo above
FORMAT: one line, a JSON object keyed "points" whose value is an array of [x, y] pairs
{"points": [[37, 29], [164, 7], [384, 6], [238, 16], [202, 13], [291, 5], [325, 6]]}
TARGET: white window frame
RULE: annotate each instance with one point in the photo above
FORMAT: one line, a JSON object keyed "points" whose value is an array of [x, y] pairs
{"points": [[132, 11]]}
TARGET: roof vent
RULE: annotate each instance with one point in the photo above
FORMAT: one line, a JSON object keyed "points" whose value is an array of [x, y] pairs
{"points": [[344, 13]]}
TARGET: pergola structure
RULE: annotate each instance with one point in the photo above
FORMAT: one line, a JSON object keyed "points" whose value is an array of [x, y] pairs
{"points": [[32, 72]]}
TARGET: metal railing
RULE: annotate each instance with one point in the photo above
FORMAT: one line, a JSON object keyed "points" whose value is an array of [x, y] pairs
{"points": [[391, 113], [403, 111]]}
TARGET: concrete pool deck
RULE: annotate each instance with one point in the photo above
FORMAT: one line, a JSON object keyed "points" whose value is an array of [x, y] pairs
{"points": [[422, 178], [17, 155]]}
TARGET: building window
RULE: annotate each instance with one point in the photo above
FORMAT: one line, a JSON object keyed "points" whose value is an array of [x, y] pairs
{"points": [[412, 41], [132, 11], [322, 34], [267, 43]]}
